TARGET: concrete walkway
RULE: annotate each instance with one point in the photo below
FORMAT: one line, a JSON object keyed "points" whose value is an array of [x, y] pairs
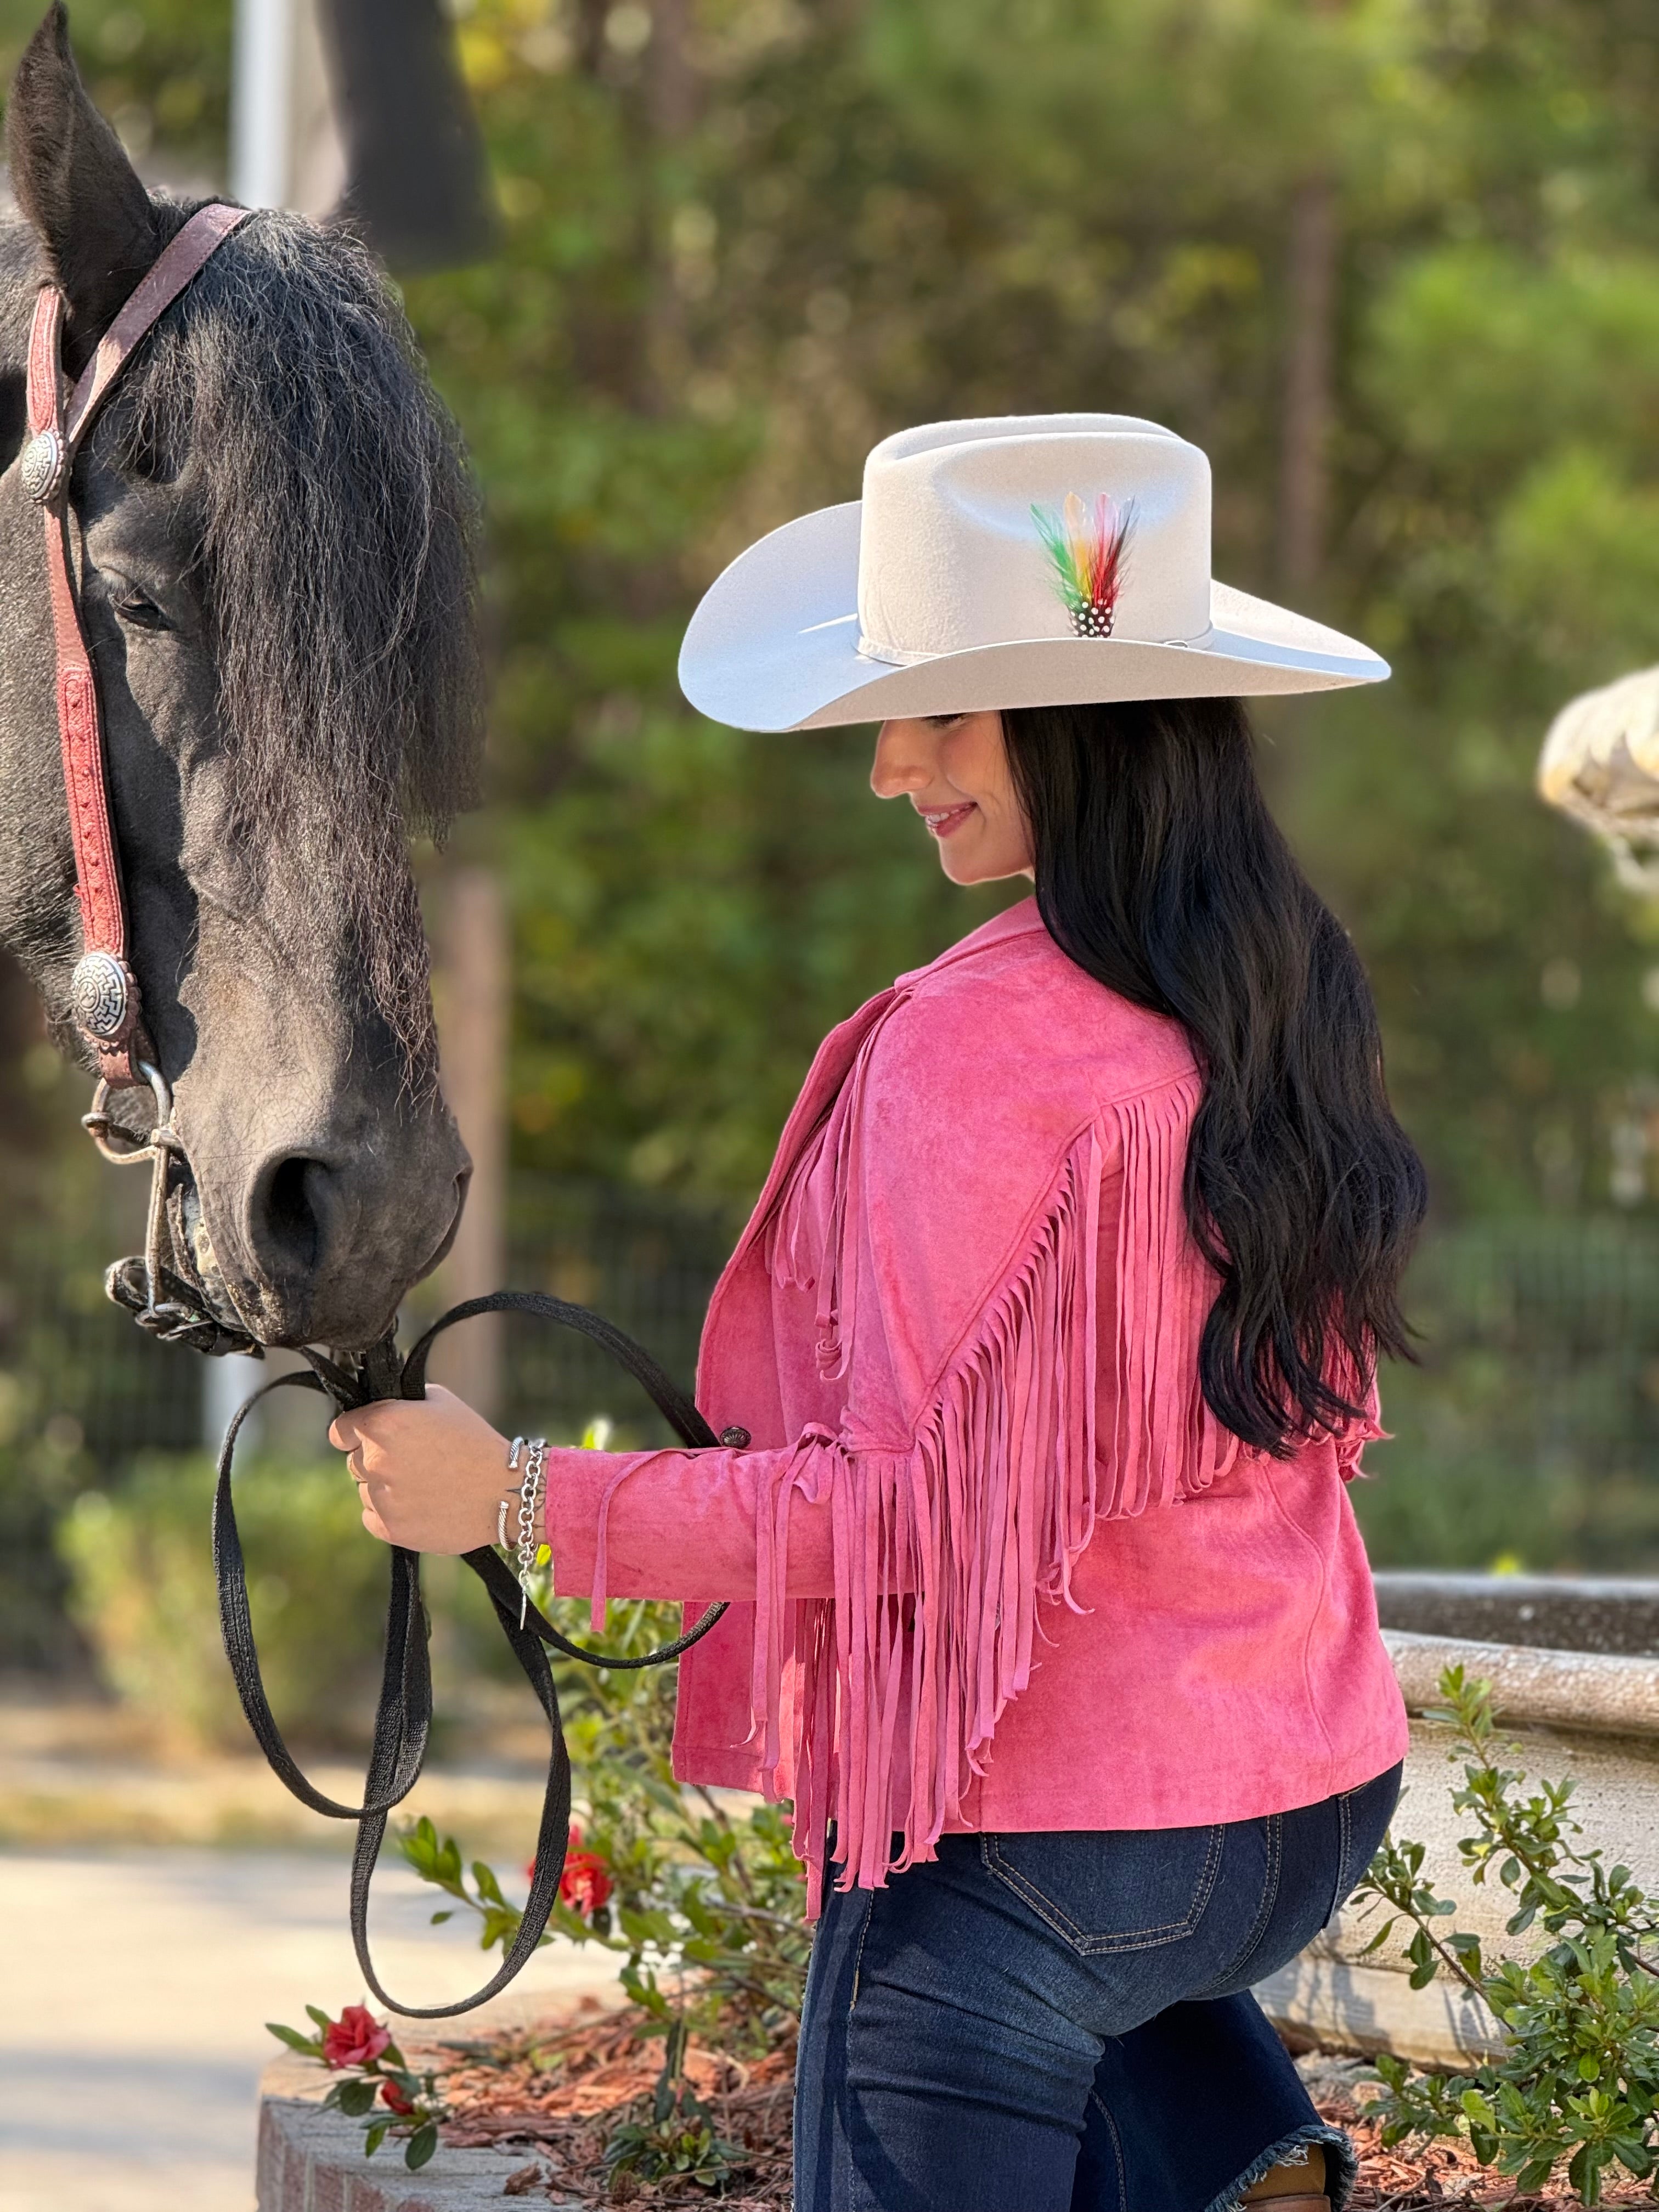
{"points": [[136, 1983]]}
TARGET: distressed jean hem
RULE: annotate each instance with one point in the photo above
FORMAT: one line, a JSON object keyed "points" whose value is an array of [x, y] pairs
{"points": [[1341, 2167]]}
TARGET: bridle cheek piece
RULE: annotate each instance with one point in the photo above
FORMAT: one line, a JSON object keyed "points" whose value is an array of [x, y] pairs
{"points": [[103, 991]]}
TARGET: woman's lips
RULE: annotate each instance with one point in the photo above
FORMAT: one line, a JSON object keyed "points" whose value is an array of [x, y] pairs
{"points": [[945, 821]]}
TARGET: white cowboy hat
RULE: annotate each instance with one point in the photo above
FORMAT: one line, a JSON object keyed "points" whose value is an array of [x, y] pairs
{"points": [[1022, 560]]}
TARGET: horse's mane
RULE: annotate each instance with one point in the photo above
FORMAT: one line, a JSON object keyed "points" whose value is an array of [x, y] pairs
{"points": [[283, 397]]}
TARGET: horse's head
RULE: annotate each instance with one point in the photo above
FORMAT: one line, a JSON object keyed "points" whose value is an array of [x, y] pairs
{"points": [[272, 524]]}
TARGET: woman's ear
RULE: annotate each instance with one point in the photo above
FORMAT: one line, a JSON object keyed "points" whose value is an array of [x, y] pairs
{"points": [[74, 184]]}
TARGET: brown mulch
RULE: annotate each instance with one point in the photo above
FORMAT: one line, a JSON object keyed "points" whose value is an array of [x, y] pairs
{"points": [[559, 2092]]}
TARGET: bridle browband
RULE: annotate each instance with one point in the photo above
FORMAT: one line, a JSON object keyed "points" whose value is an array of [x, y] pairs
{"points": [[103, 991], [105, 999]]}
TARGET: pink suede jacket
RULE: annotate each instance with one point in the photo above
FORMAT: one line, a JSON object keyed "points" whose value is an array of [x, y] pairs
{"points": [[994, 1565]]}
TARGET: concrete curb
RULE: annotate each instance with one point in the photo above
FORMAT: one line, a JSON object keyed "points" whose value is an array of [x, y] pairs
{"points": [[312, 2160], [1335, 2004], [1602, 1692]]}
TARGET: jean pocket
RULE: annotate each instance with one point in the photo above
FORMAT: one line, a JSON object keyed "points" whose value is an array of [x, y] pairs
{"points": [[1115, 1890]]}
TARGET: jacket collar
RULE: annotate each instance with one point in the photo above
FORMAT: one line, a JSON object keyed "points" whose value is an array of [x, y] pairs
{"points": [[1019, 919], [836, 1056]]}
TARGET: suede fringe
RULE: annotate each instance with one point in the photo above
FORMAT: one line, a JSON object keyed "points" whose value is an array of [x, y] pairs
{"points": [[878, 1709]]}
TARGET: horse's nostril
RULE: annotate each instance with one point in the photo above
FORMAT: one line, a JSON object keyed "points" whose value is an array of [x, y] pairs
{"points": [[291, 1225]]}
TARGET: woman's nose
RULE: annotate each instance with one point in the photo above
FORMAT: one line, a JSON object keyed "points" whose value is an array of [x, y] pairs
{"points": [[902, 761]]}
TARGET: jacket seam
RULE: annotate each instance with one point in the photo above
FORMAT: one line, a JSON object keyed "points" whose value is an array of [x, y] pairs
{"points": [[1314, 1612]]}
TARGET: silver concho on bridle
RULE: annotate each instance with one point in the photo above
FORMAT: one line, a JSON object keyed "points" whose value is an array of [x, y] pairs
{"points": [[99, 995], [40, 467]]}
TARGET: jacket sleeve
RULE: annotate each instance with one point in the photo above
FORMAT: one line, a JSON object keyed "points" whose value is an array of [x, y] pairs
{"points": [[674, 1524]]}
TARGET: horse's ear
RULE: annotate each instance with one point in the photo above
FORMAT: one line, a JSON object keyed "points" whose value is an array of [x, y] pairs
{"points": [[74, 182]]}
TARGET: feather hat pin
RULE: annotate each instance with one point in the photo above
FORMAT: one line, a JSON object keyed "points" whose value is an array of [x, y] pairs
{"points": [[1086, 552]]}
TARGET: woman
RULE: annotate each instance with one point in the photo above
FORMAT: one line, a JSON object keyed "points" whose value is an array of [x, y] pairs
{"points": [[1041, 1366]]}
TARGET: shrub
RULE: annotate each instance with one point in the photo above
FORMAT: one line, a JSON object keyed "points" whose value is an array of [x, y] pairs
{"points": [[142, 1591], [1578, 2084], [704, 1905]]}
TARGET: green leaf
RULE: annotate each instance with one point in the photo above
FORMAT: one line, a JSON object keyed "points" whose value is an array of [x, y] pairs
{"points": [[309, 2046], [357, 2097], [419, 1844], [316, 2013], [421, 2146], [374, 2135], [439, 1918], [500, 1925]]}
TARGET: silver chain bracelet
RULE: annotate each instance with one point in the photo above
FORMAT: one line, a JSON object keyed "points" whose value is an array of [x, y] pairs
{"points": [[533, 1474]]}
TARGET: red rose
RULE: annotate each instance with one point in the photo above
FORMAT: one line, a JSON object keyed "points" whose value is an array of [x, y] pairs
{"points": [[355, 2039], [397, 2098], [585, 1883]]}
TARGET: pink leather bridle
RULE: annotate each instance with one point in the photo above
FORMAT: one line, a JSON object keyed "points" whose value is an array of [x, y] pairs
{"points": [[104, 993]]}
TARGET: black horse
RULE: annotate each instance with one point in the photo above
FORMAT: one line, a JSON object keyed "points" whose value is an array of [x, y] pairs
{"points": [[274, 529]]}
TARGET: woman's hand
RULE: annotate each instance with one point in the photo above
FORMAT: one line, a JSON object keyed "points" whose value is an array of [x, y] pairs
{"points": [[432, 1474]]}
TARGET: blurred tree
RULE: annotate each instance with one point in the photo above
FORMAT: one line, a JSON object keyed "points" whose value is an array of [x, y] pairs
{"points": [[159, 68]]}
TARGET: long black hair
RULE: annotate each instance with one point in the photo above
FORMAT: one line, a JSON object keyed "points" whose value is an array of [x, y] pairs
{"points": [[1161, 873]]}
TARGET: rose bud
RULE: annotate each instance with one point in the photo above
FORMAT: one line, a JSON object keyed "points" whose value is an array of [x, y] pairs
{"points": [[356, 2038], [585, 1883]]}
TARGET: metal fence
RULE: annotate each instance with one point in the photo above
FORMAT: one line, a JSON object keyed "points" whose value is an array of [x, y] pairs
{"points": [[1547, 1332], [646, 1262]]}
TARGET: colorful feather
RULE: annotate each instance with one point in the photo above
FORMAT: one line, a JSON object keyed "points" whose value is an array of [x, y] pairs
{"points": [[1086, 553]]}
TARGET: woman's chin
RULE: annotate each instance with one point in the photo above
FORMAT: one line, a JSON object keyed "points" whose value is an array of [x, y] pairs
{"points": [[968, 867]]}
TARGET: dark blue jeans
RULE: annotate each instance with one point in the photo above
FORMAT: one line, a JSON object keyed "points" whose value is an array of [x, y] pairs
{"points": [[1063, 2022]]}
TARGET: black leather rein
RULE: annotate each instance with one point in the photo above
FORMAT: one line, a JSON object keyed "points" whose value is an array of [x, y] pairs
{"points": [[403, 1718]]}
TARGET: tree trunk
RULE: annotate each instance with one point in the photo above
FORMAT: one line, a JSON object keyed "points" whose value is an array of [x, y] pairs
{"points": [[472, 999]]}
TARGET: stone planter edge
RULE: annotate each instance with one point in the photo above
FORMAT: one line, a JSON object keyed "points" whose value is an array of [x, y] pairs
{"points": [[312, 2160]]}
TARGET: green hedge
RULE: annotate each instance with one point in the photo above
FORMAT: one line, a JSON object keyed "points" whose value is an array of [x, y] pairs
{"points": [[142, 1591]]}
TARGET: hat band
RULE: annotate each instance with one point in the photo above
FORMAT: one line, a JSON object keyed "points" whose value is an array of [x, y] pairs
{"points": [[894, 655]]}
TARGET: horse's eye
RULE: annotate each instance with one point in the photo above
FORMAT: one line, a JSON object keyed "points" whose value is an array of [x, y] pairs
{"points": [[143, 613]]}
